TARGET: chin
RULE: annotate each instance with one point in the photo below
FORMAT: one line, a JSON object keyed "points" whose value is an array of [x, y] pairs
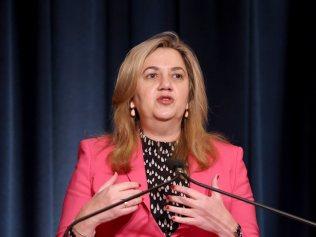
{"points": [[165, 117]]}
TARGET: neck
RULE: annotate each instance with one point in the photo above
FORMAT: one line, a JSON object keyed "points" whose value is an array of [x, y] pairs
{"points": [[165, 131]]}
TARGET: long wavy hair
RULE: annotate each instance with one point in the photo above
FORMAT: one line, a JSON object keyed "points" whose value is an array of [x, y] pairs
{"points": [[193, 138]]}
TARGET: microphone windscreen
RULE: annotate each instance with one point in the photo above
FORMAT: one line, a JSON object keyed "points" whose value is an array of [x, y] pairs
{"points": [[175, 164]]}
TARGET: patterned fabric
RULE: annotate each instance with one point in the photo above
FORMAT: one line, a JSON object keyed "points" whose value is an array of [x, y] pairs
{"points": [[156, 155]]}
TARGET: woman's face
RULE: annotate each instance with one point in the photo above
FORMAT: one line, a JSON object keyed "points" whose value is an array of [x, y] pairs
{"points": [[163, 89]]}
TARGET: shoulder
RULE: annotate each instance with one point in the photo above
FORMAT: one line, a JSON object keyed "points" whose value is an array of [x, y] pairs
{"points": [[227, 154], [96, 148], [225, 148], [97, 144], [94, 153]]}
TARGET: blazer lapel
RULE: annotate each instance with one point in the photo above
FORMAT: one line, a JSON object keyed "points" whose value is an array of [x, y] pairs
{"points": [[204, 176], [137, 174]]}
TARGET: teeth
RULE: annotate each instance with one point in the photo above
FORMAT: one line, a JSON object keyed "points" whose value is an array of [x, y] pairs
{"points": [[165, 99]]}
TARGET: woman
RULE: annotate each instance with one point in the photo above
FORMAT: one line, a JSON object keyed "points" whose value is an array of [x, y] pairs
{"points": [[160, 111]]}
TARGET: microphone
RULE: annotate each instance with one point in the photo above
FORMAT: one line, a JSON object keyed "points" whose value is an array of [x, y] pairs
{"points": [[69, 230], [179, 167]]}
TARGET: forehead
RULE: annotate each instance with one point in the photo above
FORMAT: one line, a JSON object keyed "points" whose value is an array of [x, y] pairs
{"points": [[164, 57]]}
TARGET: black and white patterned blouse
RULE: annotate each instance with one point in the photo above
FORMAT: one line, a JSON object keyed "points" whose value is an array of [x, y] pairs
{"points": [[155, 156]]}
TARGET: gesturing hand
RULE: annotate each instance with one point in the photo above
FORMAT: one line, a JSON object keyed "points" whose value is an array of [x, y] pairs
{"points": [[205, 212], [108, 194]]}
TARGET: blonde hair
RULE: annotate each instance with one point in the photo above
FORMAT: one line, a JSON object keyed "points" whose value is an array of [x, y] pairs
{"points": [[193, 140]]}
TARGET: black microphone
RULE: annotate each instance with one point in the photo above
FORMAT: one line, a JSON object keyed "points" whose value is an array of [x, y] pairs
{"points": [[69, 231], [179, 167]]}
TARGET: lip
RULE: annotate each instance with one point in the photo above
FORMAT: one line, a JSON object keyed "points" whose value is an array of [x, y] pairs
{"points": [[165, 100]]}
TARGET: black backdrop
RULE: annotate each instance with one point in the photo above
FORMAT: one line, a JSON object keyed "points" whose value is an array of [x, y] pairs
{"points": [[58, 63]]}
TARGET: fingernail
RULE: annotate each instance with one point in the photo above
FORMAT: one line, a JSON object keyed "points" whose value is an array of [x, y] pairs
{"points": [[168, 197], [172, 186], [173, 218], [166, 208]]}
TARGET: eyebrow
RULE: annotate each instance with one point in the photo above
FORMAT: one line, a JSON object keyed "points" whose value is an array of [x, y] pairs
{"points": [[156, 68]]}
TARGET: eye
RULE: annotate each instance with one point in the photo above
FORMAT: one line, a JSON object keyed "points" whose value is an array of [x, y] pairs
{"points": [[178, 76], [151, 75]]}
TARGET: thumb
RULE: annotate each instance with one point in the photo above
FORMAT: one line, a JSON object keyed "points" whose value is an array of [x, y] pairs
{"points": [[215, 185], [109, 182]]}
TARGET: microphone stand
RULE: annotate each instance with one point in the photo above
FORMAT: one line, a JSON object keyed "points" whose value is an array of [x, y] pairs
{"points": [[70, 227], [274, 210]]}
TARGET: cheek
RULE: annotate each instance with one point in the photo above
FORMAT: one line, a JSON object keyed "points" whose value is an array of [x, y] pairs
{"points": [[184, 95], [183, 102], [143, 97]]}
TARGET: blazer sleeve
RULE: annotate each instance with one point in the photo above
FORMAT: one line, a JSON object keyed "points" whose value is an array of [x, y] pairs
{"points": [[243, 213], [79, 189]]}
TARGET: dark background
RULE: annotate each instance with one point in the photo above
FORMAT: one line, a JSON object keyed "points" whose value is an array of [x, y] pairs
{"points": [[58, 64]]}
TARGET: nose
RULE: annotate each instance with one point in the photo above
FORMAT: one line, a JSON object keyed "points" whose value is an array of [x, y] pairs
{"points": [[165, 82]]}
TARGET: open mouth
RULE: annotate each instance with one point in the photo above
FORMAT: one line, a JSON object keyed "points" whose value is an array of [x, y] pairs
{"points": [[165, 100]]}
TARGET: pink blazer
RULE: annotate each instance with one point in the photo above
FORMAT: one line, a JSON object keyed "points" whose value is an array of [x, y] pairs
{"points": [[92, 171]]}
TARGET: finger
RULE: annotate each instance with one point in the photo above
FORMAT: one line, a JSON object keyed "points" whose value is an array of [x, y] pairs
{"points": [[184, 220], [180, 210], [128, 210], [215, 185], [133, 202], [126, 185], [129, 193], [189, 202], [188, 191], [108, 183]]}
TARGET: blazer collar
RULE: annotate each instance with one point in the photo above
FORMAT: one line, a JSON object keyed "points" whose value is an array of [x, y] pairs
{"points": [[204, 176]]}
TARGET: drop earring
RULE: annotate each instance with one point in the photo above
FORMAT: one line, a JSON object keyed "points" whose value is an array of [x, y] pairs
{"points": [[186, 113], [132, 107]]}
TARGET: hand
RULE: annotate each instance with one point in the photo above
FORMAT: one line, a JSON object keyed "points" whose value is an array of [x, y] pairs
{"points": [[205, 212], [108, 194]]}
